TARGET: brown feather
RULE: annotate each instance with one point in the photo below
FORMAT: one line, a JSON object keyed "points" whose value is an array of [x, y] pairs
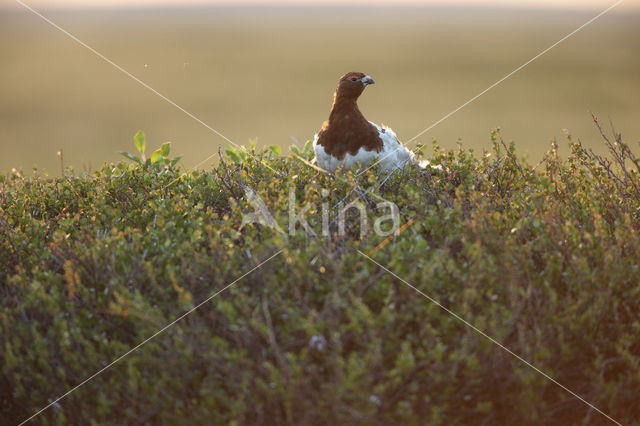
{"points": [[346, 130]]}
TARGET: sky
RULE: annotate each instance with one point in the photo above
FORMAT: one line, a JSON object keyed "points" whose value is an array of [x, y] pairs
{"points": [[546, 4]]}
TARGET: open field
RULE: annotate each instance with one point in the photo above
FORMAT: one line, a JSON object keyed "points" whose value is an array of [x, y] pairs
{"points": [[270, 74]]}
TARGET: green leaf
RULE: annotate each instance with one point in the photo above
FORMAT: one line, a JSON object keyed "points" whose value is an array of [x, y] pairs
{"points": [[165, 148], [308, 147], [156, 156], [275, 149], [139, 139], [233, 154], [131, 157]]}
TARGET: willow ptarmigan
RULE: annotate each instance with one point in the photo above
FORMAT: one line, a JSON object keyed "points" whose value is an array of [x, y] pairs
{"points": [[347, 138]]}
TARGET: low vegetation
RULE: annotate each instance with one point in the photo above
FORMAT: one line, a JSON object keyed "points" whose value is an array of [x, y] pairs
{"points": [[544, 258]]}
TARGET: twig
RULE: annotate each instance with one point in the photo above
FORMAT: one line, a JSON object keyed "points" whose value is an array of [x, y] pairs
{"points": [[60, 154], [228, 182]]}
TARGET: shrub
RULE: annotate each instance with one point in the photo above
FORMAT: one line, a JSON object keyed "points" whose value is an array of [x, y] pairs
{"points": [[543, 259]]}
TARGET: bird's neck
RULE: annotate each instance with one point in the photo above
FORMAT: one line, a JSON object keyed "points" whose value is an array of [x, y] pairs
{"points": [[344, 105]]}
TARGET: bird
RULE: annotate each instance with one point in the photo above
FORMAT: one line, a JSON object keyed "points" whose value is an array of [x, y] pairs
{"points": [[348, 138]]}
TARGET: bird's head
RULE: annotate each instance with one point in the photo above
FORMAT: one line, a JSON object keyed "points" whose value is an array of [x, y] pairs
{"points": [[352, 84]]}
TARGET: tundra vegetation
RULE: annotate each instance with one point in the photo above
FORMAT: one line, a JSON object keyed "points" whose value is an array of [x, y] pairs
{"points": [[542, 257]]}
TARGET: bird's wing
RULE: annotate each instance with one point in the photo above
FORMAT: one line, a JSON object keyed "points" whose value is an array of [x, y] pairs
{"points": [[394, 154]]}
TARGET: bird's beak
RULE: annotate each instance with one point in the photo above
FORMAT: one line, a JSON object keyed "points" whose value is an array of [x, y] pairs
{"points": [[367, 80]]}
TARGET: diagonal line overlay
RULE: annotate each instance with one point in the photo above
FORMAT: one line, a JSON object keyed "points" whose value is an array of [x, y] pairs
{"points": [[491, 339], [85, 381], [133, 77], [501, 80]]}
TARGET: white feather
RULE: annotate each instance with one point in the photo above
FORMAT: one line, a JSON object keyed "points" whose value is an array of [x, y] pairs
{"points": [[393, 155]]}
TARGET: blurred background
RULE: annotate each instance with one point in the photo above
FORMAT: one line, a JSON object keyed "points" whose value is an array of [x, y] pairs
{"points": [[267, 71]]}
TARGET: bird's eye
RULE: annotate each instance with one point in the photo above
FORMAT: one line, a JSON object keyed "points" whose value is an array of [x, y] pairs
{"points": [[353, 79]]}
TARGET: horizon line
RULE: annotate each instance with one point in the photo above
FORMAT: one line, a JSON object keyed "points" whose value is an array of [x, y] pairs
{"points": [[124, 5]]}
